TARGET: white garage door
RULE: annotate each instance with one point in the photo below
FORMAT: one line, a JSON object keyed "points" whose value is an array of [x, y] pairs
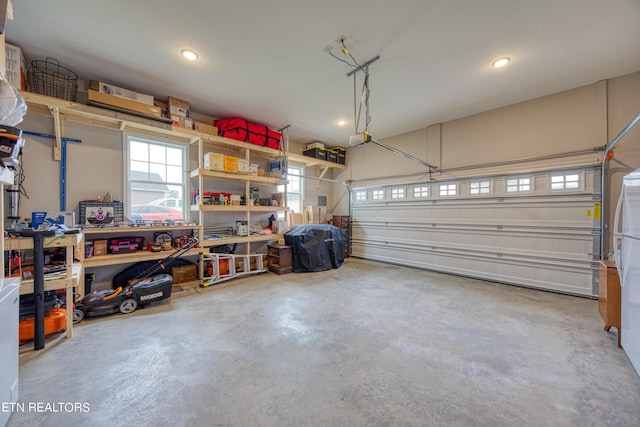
{"points": [[540, 230]]}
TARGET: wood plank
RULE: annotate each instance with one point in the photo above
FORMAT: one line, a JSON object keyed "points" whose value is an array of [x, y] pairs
{"points": [[98, 261], [237, 177], [207, 243], [124, 230], [236, 208]]}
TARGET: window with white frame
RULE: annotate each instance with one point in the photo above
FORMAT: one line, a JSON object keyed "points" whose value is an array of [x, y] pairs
{"points": [[565, 182], [518, 185], [295, 190], [361, 196], [377, 195], [156, 184], [448, 189], [397, 193], [480, 187], [421, 191]]}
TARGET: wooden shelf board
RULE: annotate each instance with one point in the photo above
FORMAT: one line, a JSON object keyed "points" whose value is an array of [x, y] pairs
{"points": [[124, 230], [236, 208], [16, 243], [310, 161], [237, 177], [54, 282], [98, 261], [207, 243]]}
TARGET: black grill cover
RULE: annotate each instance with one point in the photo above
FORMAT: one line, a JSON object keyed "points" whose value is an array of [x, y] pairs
{"points": [[316, 247]]}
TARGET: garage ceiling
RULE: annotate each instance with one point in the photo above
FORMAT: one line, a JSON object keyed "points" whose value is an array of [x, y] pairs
{"points": [[267, 61]]}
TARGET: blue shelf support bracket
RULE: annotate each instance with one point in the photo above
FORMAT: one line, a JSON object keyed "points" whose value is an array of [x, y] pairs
{"points": [[63, 161]]}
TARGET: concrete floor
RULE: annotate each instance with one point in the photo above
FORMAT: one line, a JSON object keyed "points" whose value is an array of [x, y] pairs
{"points": [[365, 345]]}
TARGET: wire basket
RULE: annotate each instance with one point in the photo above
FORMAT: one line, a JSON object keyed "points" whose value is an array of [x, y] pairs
{"points": [[50, 78]]}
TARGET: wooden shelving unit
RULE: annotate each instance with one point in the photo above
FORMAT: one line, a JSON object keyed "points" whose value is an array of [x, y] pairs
{"points": [[204, 177], [142, 255], [71, 278], [239, 239], [60, 111]]}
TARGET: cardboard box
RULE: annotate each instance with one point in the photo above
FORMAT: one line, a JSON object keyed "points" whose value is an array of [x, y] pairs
{"points": [[275, 168], [177, 120], [323, 214], [188, 123], [114, 90], [178, 106], [164, 108], [243, 166], [99, 247], [124, 103], [230, 164], [316, 214], [205, 128], [214, 161]]}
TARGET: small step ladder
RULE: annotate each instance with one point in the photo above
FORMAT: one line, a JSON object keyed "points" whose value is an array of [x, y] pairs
{"points": [[222, 267]]}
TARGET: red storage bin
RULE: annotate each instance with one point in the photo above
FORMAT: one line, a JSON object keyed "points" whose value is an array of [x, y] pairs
{"points": [[243, 130]]}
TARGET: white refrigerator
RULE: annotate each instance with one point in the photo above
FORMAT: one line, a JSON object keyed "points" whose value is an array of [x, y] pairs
{"points": [[9, 314], [627, 256]]}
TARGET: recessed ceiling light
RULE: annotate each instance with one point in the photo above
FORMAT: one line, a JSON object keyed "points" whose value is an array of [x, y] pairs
{"points": [[190, 54], [501, 62], [341, 122]]}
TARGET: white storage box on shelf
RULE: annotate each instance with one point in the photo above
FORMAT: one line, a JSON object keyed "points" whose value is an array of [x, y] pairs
{"points": [[16, 66], [243, 166]]}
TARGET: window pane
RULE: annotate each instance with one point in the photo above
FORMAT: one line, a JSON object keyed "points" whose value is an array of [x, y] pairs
{"points": [[174, 156], [557, 178], [157, 172], [174, 174], [420, 191], [294, 189], [139, 166], [139, 151], [157, 154], [150, 196], [572, 185]]}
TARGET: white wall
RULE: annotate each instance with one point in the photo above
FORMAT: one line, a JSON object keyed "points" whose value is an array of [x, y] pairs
{"points": [[94, 166], [574, 120]]}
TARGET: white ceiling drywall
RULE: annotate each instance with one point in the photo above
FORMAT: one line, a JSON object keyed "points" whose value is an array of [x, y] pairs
{"points": [[265, 60]]}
